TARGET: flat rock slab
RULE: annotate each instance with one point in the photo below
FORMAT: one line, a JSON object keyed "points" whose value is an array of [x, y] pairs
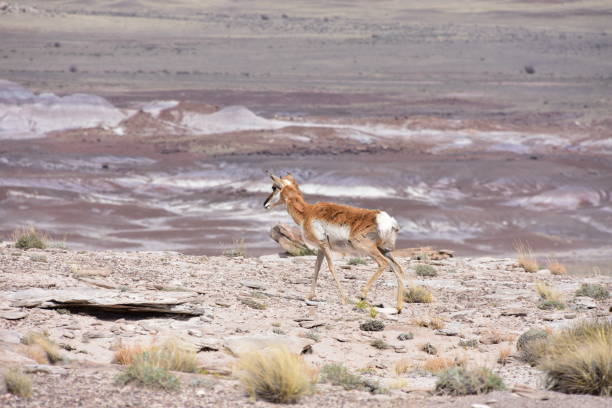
{"points": [[514, 312], [12, 314], [238, 345], [183, 303], [312, 324]]}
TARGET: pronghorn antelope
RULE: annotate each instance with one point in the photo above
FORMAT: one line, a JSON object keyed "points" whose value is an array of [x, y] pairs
{"points": [[332, 227]]}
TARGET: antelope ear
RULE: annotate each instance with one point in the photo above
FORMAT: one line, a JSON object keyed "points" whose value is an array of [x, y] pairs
{"points": [[289, 177], [277, 180]]}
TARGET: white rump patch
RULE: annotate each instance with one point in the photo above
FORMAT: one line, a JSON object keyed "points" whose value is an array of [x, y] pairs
{"points": [[387, 229]]}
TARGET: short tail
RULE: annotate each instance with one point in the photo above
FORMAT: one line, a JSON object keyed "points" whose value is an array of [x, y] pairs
{"points": [[388, 228]]}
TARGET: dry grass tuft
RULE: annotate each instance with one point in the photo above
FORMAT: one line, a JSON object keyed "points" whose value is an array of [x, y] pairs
{"points": [[38, 343], [532, 345], [434, 323], [275, 374], [380, 344], [578, 359], [402, 366], [461, 381], [525, 257], [124, 354], [436, 365], [17, 383], [504, 355], [417, 294], [555, 267], [29, 237], [172, 355], [549, 298]]}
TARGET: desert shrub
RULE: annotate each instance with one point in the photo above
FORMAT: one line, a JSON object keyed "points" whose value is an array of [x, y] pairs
{"points": [[357, 261], [29, 237], [238, 249], [532, 345], [425, 270], [504, 355], [429, 348], [472, 343], [405, 336], [551, 305], [302, 251], [172, 356], [525, 257], [338, 374], [461, 381], [434, 323], [253, 304], [313, 335], [579, 359], [275, 374], [593, 290], [17, 383], [435, 365], [362, 305], [417, 294], [38, 258], [372, 325], [380, 344], [37, 340]]}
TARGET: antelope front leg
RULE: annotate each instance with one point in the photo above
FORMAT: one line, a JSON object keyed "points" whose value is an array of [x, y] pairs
{"points": [[330, 265], [318, 263]]}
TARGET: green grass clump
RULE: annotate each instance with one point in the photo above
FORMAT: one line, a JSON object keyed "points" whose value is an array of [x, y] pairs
{"points": [[425, 270], [146, 371], [461, 381], [579, 359], [302, 251], [29, 237], [472, 343], [380, 344], [171, 356], [417, 294], [357, 261], [594, 291], [17, 383], [338, 374], [551, 305], [275, 374]]}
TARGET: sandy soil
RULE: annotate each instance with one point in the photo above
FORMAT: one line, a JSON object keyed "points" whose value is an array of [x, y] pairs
{"points": [[472, 295]]}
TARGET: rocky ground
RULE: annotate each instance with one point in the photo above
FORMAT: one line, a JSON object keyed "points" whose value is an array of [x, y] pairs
{"points": [[491, 301]]}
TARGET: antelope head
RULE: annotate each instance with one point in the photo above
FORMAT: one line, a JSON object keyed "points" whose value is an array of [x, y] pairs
{"points": [[278, 185]]}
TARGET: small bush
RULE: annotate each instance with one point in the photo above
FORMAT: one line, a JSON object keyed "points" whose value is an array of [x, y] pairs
{"points": [[525, 257], [362, 305], [17, 383], [39, 258], [435, 365], [579, 359], [275, 374], [549, 298], [425, 270], [532, 345], [429, 348], [472, 343], [461, 381], [313, 335], [405, 336], [339, 375], [417, 294], [372, 325], [145, 371], [238, 250], [434, 323], [373, 312], [357, 261], [40, 341], [253, 304], [594, 291], [29, 237], [380, 344]]}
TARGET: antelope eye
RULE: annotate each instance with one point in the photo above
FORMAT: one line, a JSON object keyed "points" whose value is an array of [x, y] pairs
{"points": [[274, 188]]}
